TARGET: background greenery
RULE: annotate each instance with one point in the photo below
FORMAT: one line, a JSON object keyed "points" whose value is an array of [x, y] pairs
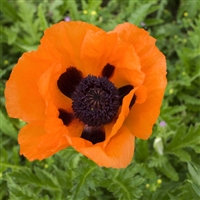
{"points": [[166, 167]]}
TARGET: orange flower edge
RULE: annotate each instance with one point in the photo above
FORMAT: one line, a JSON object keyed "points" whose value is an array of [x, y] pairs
{"points": [[90, 89]]}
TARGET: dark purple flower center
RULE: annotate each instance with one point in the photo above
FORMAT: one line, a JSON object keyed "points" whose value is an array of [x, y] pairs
{"points": [[95, 101]]}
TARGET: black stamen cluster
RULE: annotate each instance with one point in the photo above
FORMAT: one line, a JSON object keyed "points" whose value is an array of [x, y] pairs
{"points": [[95, 101]]}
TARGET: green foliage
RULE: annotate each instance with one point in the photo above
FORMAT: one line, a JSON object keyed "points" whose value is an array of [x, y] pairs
{"points": [[194, 171], [122, 185], [182, 140], [164, 167], [48, 180]]}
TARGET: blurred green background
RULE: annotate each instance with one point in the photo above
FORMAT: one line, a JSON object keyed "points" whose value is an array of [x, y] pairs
{"points": [[167, 166]]}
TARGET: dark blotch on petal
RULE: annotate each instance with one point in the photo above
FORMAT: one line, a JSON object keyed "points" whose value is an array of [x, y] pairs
{"points": [[68, 81], [132, 101], [123, 91], [93, 134], [65, 116], [108, 71]]}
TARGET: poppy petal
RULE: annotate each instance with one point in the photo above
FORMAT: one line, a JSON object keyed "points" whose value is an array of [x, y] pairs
{"points": [[49, 90], [118, 153], [153, 62], [65, 38], [123, 91], [54, 123], [95, 51], [22, 93], [122, 116], [36, 143], [127, 67], [111, 129], [138, 37], [101, 48], [143, 115], [55, 100], [141, 94]]}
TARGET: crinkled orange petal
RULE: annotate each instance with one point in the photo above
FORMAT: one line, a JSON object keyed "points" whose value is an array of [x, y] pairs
{"points": [[53, 123], [122, 116], [143, 116], [155, 69], [118, 153], [141, 95], [55, 100], [138, 37], [100, 48], [63, 42], [49, 90], [36, 143], [128, 68], [153, 62], [95, 51], [23, 99]]}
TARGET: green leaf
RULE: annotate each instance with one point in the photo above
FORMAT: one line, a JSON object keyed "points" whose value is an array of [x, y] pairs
{"points": [[28, 23], [192, 7], [94, 4], [140, 13], [189, 99], [63, 176], [41, 15], [83, 182], [7, 127], [72, 6], [47, 179], [40, 178], [26, 47], [194, 171], [124, 183], [157, 161], [162, 5], [9, 11], [11, 34], [126, 189], [169, 171], [173, 110], [172, 197], [153, 22], [186, 191], [142, 151], [6, 166], [197, 149], [196, 188], [182, 139], [182, 154], [19, 193]]}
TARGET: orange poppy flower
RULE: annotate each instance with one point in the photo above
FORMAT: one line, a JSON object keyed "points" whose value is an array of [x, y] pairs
{"points": [[90, 89]]}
